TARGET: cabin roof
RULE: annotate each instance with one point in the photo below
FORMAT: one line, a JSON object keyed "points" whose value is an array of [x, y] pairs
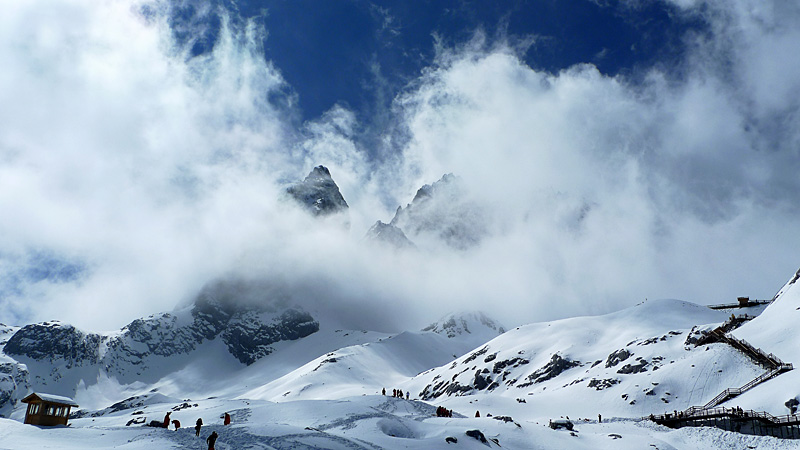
{"points": [[49, 398]]}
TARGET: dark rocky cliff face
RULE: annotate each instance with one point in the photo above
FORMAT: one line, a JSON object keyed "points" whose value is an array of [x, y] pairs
{"points": [[224, 309], [55, 340], [231, 311], [319, 193], [249, 339]]}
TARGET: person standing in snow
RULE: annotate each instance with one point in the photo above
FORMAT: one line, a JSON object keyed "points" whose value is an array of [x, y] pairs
{"points": [[166, 419], [227, 420], [197, 426], [211, 440], [177, 424], [383, 391], [408, 397]]}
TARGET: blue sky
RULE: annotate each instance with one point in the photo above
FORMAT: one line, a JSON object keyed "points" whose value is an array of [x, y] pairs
{"points": [[361, 54], [618, 151]]}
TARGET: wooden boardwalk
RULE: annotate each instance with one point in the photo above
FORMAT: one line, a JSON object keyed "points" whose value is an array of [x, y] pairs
{"points": [[735, 419]]}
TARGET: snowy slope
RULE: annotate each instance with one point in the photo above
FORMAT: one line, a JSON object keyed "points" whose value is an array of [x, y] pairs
{"points": [[626, 364], [361, 369], [776, 331], [332, 402], [356, 423], [370, 367]]}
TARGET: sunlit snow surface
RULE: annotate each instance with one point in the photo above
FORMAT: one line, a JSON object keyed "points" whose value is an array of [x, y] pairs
{"points": [[334, 401], [368, 422]]}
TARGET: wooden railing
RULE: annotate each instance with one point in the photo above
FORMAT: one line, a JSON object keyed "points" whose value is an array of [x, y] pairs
{"points": [[699, 413], [734, 392], [772, 362]]}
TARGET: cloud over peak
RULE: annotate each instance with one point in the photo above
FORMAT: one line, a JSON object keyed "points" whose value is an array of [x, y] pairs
{"points": [[151, 171]]}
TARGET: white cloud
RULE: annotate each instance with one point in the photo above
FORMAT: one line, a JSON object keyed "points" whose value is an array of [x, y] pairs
{"points": [[158, 172]]}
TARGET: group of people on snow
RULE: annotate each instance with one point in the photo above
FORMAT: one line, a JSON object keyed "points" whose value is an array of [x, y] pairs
{"points": [[441, 411], [210, 440], [397, 393]]}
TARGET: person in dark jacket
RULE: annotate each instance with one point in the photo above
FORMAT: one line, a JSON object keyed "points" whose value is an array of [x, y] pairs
{"points": [[227, 420], [211, 440], [166, 419], [177, 424], [197, 426]]}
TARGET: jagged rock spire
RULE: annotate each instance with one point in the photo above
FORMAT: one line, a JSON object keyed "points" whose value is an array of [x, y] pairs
{"points": [[319, 193]]}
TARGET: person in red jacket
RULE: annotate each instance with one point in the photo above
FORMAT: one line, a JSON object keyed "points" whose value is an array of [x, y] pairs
{"points": [[166, 419], [227, 420], [177, 424]]}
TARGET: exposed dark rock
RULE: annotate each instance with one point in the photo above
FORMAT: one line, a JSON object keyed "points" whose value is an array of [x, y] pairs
{"points": [[694, 336], [617, 357], [555, 367], [14, 385], [639, 367], [250, 340], [54, 340], [319, 193], [475, 354], [602, 383], [513, 362], [481, 382], [476, 434]]}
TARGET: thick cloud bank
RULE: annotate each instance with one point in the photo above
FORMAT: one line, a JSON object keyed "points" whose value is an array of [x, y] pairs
{"points": [[131, 174]]}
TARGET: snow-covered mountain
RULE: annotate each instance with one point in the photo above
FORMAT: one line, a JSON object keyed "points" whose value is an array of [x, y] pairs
{"points": [[628, 363], [323, 390], [384, 363], [234, 340], [294, 377], [58, 357], [471, 326]]}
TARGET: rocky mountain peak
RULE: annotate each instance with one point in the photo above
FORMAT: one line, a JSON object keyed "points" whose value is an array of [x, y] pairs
{"points": [[428, 190], [387, 233], [443, 212], [319, 193]]}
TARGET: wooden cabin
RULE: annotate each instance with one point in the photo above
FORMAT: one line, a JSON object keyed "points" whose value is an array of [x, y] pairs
{"points": [[47, 409]]}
